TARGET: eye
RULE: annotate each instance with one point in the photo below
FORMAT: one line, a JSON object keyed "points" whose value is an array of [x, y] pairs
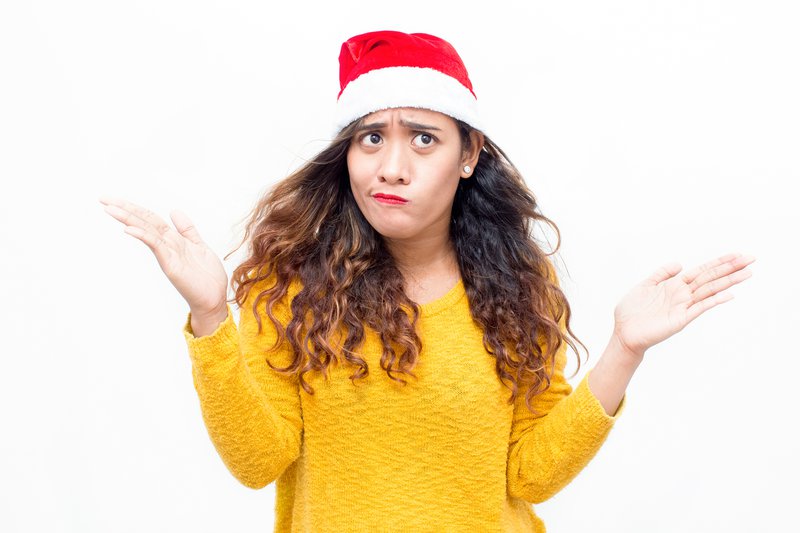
{"points": [[426, 139], [371, 139]]}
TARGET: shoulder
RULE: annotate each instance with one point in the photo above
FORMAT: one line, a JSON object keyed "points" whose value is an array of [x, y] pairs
{"points": [[260, 293]]}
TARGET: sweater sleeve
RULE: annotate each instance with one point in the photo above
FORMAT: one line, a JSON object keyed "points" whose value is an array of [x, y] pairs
{"points": [[251, 412], [546, 452]]}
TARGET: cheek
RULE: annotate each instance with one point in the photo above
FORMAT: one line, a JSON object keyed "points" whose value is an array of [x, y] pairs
{"points": [[357, 185], [357, 172], [352, 173], [443, 176]]}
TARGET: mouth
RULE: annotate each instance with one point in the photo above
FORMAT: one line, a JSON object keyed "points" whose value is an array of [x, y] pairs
{"points": [[389, 198]]}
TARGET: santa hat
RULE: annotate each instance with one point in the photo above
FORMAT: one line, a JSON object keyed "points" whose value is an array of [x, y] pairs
{"points": [[386, 69]]}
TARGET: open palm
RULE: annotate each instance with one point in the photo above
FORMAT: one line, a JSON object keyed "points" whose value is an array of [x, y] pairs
{"points": [[664, 303], [191, 266]]}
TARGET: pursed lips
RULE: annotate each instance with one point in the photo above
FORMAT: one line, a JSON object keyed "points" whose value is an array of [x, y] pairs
{"points": [[389, 198]]}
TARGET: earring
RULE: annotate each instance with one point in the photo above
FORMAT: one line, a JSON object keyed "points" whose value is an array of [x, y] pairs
{"points": [[467, 169]]}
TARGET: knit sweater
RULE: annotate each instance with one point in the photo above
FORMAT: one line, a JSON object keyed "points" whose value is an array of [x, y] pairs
{"points": [[444, 453]]}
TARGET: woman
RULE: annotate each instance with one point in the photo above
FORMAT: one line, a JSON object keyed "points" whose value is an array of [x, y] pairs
{"points": [[405, 246]]}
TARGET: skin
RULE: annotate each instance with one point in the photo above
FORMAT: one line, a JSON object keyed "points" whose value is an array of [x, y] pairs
{"points": [[397, 159], [415, 154], [655, 309]]}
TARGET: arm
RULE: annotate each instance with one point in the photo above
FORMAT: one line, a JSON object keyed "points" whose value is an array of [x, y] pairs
{"points": [[612, 373], [657, 308], [251, 412], [546, 452]]}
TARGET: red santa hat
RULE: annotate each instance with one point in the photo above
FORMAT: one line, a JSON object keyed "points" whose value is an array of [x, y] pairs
{"points": [[386, 69]]}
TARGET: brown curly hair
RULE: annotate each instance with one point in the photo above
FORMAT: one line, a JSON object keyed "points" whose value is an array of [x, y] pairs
{"points": [[309, 229]]}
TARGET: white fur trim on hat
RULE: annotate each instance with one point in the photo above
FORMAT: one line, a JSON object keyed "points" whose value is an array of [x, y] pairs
{"points": [[391, 87]]}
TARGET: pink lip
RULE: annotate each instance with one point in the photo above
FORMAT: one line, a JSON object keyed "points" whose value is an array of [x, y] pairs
{"points": [[389, 198]]}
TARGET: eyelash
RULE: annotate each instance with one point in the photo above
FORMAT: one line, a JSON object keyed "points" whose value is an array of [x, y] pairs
{"points": [[418, 133]]}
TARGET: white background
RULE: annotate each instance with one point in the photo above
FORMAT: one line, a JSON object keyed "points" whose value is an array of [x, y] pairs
{"points": [[650, 132]]}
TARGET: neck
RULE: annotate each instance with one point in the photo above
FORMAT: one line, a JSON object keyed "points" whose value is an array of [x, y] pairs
{"points": [[432, 256]]}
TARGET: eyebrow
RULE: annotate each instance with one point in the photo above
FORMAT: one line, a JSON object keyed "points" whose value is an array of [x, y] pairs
{"points": [[407, 124]]}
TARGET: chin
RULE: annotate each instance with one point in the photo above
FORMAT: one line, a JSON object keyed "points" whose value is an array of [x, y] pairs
{"points": [[394, 233]]}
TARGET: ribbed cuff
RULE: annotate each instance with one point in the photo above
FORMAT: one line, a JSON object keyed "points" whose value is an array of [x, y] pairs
{"points": [[218, 347]]}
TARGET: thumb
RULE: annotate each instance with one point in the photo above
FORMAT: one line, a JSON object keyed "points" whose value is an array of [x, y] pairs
{"points": [[185, 226], [664, 272]]}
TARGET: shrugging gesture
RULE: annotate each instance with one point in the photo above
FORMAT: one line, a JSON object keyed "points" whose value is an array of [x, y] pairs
{"points": [[664, 303], [654, 310], [191, 266]]}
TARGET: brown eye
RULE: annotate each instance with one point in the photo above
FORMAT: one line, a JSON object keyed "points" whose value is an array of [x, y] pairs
{"points": [[372, 138], [425, 139]]}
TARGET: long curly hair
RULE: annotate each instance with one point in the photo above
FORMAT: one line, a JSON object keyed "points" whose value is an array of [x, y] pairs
{"points": [[308, 228]]}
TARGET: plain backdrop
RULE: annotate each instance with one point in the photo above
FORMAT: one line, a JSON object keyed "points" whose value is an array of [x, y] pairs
{"points": [[650, 132]]}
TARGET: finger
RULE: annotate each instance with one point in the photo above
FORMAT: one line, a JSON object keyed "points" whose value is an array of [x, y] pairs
{"points": [[715, 286], [664, 272], [690, 276], [155, 242], [720, 271], [185, 226], [107, 199], [123, 216], [129, 213], [704, 305], [130, 220]]}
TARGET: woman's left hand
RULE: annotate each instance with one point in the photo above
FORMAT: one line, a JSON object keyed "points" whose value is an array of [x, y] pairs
{"points": [[665, 303]]}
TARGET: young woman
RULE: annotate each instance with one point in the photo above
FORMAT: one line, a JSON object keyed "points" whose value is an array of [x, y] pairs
{"points": [[399, 359]]}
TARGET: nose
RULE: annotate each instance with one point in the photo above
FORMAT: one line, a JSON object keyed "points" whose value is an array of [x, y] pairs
{"points": [[394, 163]]}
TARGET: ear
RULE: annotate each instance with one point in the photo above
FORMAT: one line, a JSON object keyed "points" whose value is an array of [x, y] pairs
{"points": [[471, 156]]}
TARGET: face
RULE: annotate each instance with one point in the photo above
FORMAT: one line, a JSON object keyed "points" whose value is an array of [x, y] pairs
{"points": [[412, 154]]}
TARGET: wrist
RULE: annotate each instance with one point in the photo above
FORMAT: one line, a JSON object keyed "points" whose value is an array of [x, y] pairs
{"points": [[206, 322], [624, 352], [221, 309]]}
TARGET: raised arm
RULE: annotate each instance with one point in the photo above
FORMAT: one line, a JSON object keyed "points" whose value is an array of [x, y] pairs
{"points": [[252, 413], [548, 451]]}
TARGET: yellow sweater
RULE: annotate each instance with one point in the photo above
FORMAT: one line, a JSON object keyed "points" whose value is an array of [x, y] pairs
{"points": [[445, 453]]}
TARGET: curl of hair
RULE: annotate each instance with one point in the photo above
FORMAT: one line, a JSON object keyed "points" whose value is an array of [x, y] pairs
{"points": [[308, 228]]}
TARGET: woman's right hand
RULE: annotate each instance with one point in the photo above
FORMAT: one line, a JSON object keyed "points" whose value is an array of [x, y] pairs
{"points": [[191, 266]]}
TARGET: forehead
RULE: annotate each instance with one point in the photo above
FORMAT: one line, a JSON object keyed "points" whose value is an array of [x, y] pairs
{"points": [[410, 114]]}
